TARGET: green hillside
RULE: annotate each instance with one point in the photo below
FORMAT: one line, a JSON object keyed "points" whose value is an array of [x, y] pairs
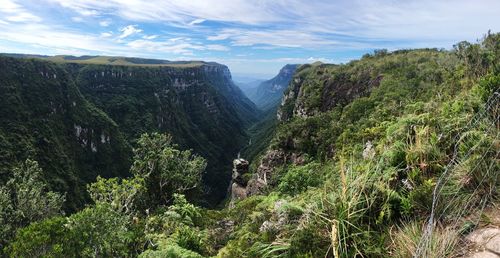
{"points": [[392, 155], [198, 106], [45, 118], [81, 120]]}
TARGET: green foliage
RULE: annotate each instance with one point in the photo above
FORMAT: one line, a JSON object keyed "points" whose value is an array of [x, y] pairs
{"points": [[488, 85], [120, 194], [299, 179], [45, 118], [411, 111], [165, 169], [93, 232], [197, 105], [170, 251], [40, 239], [190, 239], [176, 230], [99, 231], [25, 199], [188, 213]]}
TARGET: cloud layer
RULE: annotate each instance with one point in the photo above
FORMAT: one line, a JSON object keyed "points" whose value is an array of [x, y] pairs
{"points": [[274, 30]]}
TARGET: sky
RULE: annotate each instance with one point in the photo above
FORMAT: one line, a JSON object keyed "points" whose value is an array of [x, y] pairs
{"points": [[254, 38]]}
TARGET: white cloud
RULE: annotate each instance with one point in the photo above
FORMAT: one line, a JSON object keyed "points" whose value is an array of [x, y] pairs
{"points": [[323, 20], [106, 34], [182, 11], [14, 12], [155, 46], [305, 27], [276, 38], [177, 46], [216, 47], [77, 19], [105, 23], [87, 12], [47, 37], [129, 30], [9, 6], [150, 37], [220, 36], [197, 21], [23, 17], [178, 39]]}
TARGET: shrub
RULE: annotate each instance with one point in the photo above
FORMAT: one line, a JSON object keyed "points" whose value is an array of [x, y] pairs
{"points": [[298, 179]]}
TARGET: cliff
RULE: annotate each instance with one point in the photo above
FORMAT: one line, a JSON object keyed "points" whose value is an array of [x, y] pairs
{"points": [[45, 117], [198, 104], [268, 94]]}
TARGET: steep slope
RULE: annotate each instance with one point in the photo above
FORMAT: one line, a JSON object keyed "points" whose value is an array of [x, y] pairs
{"points": [[268, 94], [196, 102], [44, 117], [199, 106], [366, 153], [248, 87]]}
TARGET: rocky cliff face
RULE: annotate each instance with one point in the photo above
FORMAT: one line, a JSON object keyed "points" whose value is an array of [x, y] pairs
{"points": [[313, 90], [239, 180], [44, 117], [197, 104], [269, 93]]}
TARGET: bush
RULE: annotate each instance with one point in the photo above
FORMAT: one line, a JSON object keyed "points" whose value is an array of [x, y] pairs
{"points": [[171, 251], [298, 179], [40, 239]]}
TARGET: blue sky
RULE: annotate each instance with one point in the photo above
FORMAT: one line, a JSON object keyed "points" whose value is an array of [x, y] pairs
{"points": [[251, 37]]}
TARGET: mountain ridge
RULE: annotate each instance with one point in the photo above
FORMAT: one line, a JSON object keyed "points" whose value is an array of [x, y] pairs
{"points": [[268, 93]]}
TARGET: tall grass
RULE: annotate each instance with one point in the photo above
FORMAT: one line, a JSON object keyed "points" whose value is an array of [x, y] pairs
{"points": [[405, 241]]}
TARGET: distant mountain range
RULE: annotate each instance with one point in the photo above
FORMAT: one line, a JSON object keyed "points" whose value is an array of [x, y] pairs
{"points": [[267, 94]]}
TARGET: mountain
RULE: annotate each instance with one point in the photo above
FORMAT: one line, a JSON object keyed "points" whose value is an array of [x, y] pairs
{"points": [[268, 94], [249, 87], [197, 103]]}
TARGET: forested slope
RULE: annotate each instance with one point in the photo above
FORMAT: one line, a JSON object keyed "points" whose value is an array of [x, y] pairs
{"points": [[392, 155], [81, 120]]}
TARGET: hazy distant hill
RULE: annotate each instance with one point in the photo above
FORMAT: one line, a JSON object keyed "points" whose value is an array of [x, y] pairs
{"points": [[268, 93]]}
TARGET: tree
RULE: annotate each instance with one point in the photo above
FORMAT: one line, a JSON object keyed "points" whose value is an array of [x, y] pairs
{"points": [[99, 231], [165, 169], [120, 194], [40, 239], [25, 199], [96, 231]]}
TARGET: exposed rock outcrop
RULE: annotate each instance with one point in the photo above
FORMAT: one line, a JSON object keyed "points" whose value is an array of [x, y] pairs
{"points": [[330, 90], [239, 180], [273, 159]]}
